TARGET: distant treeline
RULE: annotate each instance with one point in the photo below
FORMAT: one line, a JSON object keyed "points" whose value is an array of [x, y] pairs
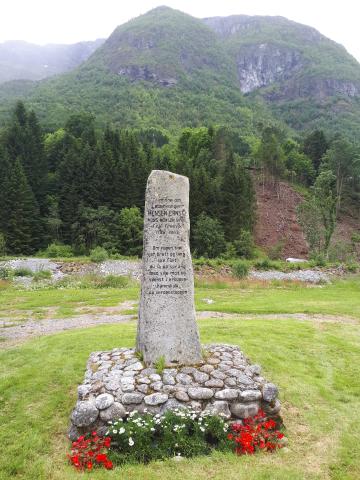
{"points": [[84, 188]]}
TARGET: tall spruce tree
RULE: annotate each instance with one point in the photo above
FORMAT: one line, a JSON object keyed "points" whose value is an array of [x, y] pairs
{"points": [[24, 141], [22, 226], [237, 199]]}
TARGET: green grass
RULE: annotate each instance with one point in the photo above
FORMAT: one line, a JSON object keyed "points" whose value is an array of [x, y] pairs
{"points": [[66, 300], [316, 368], [315, 364], [339, 298]]}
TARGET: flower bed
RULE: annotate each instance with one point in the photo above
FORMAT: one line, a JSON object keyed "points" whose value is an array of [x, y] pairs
{"points": [[178, 433]]}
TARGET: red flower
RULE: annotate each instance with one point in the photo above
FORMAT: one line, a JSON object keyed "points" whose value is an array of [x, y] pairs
{"points": [[108, 465], [101, 457], [89, 465]]}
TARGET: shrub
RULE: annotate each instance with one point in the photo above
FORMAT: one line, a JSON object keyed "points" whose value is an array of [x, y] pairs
{"points": [[208, 239], [111, 281], [355, 237], [55, 250], [23, 272], [130, 231], [98, 254], [275, 252], [42, 275], [352, 267], [142, 438], [6, 273], [266, 264], [318, 260], [240, 269], [244, 246]]}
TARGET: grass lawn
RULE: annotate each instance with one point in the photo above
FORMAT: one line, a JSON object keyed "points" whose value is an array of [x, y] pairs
{"points": [[339, 298], [316, 365]]}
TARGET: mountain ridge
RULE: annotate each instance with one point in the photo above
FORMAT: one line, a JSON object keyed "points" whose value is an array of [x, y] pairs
{"points": [[220, 69]]}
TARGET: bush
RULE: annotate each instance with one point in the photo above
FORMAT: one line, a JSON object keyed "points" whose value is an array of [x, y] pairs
{"points": [[266, 264], [244, 246], [275, 252], [130, 231], [355, 237], [142, 438], [6, 273], [23, 272], [351, 267], [208, 239], [42, 275], [240, 269], [318, 260], [55, 250], [98, 254], [341, 252]]}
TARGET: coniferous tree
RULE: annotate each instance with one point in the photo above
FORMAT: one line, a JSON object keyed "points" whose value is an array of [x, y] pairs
{"points": [[24, 140], [22, 226], [237, 199], [315, 146]]}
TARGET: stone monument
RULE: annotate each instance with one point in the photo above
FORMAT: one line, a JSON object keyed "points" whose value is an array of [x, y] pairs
{"points": [[167, 325], [217, 379]]}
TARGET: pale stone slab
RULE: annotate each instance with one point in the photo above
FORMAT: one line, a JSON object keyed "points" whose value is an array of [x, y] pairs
{"points": [[167, 325]]}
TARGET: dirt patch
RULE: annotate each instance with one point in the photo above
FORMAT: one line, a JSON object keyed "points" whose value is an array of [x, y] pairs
{"points": [[13, 333], [276, 220]]}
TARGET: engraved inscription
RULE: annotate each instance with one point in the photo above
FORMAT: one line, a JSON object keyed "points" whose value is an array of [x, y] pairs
{"points": [[165, 269]]}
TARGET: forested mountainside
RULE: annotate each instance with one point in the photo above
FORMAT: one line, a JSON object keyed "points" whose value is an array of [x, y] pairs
{"points": [[170, 70]]}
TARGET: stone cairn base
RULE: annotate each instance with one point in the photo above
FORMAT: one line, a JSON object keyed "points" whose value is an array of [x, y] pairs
{"points": [[117, 382]]}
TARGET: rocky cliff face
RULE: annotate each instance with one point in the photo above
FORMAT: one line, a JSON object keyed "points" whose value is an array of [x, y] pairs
{"points": [[296, 59], [261, 65]]}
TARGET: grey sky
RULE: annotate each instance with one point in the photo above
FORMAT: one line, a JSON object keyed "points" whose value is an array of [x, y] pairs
{"points": [[69, 21]]}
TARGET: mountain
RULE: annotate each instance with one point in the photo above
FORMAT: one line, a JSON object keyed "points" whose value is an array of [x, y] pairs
{"points": [[164, 69], [26, 61], [307, 79], [168, 69]]}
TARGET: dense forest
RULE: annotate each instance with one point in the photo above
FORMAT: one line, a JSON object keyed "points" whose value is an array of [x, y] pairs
{"points": [[81, 187]]}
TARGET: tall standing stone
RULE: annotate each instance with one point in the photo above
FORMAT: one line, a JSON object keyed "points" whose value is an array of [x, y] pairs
{"points": [[167, 325]]}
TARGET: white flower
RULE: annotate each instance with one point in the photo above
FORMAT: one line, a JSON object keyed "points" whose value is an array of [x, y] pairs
{"points": [[202, 429], [122, 430], [115, 431], [131, 442], [152, 429]]}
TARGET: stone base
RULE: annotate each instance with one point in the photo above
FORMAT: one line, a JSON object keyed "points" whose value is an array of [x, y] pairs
{"points": [[117, 382]]}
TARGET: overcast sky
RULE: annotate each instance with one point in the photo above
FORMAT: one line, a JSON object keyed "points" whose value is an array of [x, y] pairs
{"points": [[69, 21]]}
